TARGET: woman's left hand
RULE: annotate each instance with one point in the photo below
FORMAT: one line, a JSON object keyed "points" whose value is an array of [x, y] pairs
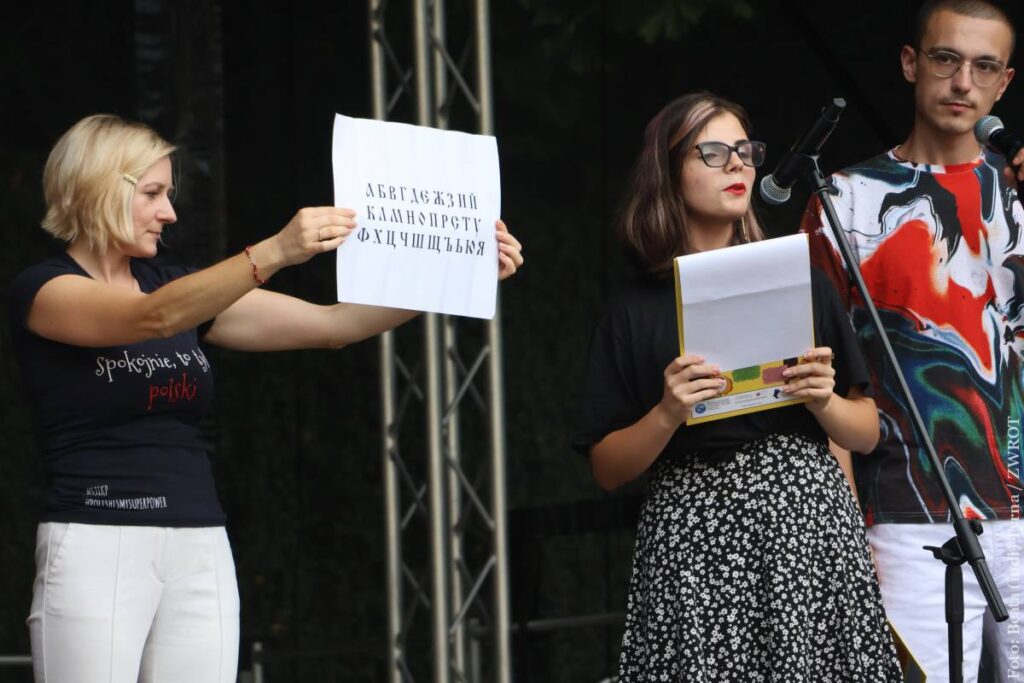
{"points": [[510, 257], [815, 377]]}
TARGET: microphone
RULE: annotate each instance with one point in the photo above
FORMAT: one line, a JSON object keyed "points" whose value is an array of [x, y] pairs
{"points": [[990, 132], [775, 188]]}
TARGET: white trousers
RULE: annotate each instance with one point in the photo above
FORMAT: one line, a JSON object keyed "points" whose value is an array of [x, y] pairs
{"points": [[121, 604], [913, 591]]}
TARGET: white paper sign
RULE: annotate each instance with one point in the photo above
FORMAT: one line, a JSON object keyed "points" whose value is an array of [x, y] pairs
{"points": [[426, 201]]}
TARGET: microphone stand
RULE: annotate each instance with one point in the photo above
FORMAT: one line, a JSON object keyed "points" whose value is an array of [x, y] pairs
{"points": [[964, 546]]}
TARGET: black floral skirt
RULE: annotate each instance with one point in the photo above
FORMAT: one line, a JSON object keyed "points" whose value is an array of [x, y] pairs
{"points": [[754, 569]]}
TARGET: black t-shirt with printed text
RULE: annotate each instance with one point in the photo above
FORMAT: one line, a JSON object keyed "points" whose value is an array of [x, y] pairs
{"points": [[119, 426]]}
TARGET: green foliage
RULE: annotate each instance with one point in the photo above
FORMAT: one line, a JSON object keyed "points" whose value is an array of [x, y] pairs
{"points": [[653, 21]]}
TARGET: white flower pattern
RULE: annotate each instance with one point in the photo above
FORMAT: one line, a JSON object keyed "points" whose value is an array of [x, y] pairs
{"points": [[755, 568]]}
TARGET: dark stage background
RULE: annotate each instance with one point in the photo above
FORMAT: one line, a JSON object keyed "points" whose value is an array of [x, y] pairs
{"points": [[249, 89]]}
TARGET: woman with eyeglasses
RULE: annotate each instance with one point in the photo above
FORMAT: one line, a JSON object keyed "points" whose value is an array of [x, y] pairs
{"points": [[751, 561]]}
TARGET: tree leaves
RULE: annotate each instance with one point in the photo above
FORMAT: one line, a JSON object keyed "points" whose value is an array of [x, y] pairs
{"points": [[650, 20], [573, 31]]}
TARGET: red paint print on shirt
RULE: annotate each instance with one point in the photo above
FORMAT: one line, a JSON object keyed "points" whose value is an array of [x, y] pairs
{"points": [[893, 276], [967, 189]]}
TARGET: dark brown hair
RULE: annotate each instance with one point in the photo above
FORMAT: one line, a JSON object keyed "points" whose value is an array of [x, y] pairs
{"points": [[653, 223], [978, 9]]}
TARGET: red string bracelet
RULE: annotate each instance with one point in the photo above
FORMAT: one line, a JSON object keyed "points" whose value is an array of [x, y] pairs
{"points": [[255, 271]]}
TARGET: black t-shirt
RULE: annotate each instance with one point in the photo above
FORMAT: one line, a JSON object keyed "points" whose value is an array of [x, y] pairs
{"points": [[119, 426], [638, 337]]}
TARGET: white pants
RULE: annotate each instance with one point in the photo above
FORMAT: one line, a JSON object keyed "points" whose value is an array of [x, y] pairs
{"points": [[120, 604], [913, 591]]}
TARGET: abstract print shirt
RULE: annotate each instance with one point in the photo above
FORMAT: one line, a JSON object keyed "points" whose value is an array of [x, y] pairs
{"points": [[941, 254]]}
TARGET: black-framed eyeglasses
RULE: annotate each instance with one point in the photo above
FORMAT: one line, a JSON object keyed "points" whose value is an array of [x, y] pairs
{"points": [[946, 64], [716, 154]]}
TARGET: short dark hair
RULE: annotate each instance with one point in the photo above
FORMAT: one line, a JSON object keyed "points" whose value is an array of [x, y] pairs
{"points": [[979, 9], [653, 223]]}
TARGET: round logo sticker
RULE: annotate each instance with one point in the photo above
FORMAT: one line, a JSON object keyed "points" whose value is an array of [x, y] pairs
{"points": [[700, 408]]}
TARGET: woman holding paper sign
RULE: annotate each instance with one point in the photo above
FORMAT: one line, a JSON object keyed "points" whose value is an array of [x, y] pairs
{"points": [[135, 579], [751, 561]]}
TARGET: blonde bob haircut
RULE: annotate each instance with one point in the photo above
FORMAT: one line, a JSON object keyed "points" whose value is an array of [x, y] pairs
{"points": [[90, 179]]}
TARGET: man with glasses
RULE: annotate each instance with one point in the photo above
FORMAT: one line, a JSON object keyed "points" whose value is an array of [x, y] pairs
{"points": [[936, 226]]}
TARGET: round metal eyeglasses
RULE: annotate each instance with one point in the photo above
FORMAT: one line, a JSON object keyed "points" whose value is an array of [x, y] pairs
{"points": [[945, 64]]}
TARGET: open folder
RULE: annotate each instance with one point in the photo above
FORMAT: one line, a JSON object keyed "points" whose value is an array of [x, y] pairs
{"points": [[746, 309]]}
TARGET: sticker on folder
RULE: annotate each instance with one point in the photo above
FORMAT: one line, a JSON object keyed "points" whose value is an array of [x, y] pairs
{"points": [[746, 309], [757, 387]]}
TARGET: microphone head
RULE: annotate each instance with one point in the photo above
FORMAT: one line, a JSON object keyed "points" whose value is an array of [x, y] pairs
{"points": [[771, 193], [984, 128]]}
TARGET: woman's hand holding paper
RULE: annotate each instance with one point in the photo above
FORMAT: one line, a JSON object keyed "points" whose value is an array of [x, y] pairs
{"points": [[814, 378], [688, 381]]}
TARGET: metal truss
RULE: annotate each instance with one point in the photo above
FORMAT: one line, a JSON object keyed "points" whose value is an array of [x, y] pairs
{"points": [[444, 477]]}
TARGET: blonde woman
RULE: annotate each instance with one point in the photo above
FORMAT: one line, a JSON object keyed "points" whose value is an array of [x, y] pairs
{"points": [[135, 580]]}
